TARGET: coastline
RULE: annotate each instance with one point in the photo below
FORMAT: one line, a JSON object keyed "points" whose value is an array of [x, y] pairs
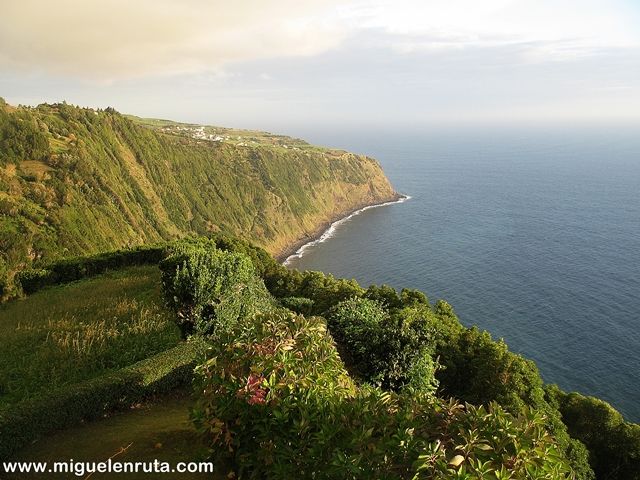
{"points": [[326, 229]]}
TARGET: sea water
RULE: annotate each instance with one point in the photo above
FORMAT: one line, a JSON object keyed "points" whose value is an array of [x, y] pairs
{"points": [[530, 233]]}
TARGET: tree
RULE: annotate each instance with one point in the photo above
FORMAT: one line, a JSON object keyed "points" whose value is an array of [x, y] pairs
{"points": [[391, 350], [614, 445]]}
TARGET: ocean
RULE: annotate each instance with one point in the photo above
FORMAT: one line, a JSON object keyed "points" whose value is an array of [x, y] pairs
{"points": [[530, 233]]}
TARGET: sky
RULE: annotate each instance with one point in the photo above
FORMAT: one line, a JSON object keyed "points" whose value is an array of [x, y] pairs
{"points": [[279, 65]]}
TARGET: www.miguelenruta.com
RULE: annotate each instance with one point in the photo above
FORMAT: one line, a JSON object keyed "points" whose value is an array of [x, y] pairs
{"points": [[82, 469]]}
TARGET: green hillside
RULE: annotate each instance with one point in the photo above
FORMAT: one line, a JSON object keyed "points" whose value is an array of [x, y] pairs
{"points": [[298, 374], [75, 181]]}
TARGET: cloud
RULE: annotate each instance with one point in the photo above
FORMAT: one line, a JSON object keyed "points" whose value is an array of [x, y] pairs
{"points": [[119, 39], [577, 26], [253, 64], [116, 39], [364, 82]]}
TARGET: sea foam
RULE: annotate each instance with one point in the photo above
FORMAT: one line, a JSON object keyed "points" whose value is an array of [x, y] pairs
{"points": [[330, 232]]}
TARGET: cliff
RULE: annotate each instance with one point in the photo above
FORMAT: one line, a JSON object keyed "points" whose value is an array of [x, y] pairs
{"points": [[75, 181]]}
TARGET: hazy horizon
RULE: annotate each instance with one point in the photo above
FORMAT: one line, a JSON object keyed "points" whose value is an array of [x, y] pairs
{"points": [[288, 66]]}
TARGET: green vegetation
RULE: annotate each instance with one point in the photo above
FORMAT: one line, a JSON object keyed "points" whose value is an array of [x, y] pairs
{"points": [[74, 332], [72, 351], [278, 403], [70, 269], [24, 422], [365, 393], [471, 366], [306, 375], [211, 289], [614, 444], [159, 430], [76, 181], [276, 400], [390, 350]]}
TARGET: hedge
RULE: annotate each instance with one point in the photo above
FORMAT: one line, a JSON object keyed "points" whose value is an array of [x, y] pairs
{"points": [[72, 269], [163, 372]]}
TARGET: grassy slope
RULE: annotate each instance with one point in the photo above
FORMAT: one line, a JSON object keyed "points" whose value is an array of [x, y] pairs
{"points": [[74, 332], [77, 181], [160, 431]]}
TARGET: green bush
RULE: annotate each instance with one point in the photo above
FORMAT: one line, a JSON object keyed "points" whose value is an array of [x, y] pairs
{"points": [[73, 269], [276, 402], [210, 289], [163, 372], [387, 350], [479, 370], [385, 295], [479, 443], [614, 444], [21, 138], [324, 290], [262, 261], [35, 279], [411, 297], [473, 367], [301, 305]]}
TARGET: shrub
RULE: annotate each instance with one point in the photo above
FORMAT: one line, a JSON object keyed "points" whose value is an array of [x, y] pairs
{"points": [[20, 138], [324, 290], [614, 445], [66, 406], [411, 297], [478, 443], [210, 289], [276, 402], [35, 279], [301, 305], [262, 261], [72, 269], [479, 370], [387, 350], [385, 295]]}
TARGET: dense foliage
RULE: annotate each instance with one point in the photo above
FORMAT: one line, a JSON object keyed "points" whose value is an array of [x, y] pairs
{"points": [[276, 399], [472, 366], [277, 403], [21, 138], [70, 269], [62, 407], [209, 289], [390, 351], [75, 351], [480, 370], [614, 444], [300, 388]]}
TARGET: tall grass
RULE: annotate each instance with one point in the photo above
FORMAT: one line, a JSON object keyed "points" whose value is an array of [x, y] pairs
{"points": [[73, 332]]}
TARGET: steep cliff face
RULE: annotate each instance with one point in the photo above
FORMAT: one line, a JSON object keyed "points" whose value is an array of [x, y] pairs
{"points": [[77, 181]]}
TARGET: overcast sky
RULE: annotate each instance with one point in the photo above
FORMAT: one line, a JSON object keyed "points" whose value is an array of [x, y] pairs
{"points": [[283, 64]]}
